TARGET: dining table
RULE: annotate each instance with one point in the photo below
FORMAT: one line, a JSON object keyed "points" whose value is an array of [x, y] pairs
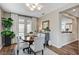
{"points": [[30, 42]]}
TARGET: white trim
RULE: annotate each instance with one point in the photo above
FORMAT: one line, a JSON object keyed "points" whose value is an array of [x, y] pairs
{"points": [[60, 46], [55, 45]]}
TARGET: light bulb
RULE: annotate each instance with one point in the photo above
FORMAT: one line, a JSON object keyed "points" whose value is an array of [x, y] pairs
{"points": [[36, 4], [27, 4], [39, 7], [33, 6], [74, 9], [32, 9]]}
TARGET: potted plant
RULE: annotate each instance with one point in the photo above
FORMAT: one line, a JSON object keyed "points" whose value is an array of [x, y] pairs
{"points": [[7, 34], [46, 30]]}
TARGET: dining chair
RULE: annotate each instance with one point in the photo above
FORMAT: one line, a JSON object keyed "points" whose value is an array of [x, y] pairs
{"points": [[21, 45], [38, 45]]}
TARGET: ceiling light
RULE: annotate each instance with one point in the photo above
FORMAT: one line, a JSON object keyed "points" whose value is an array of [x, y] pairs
{"points": [[32, 9], [39, 7], [28, 4], [34, 6], [74, 9]]}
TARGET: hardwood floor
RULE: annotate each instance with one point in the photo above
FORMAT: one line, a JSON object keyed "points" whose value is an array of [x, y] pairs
{"points": [[7, 50], [70, 49]]}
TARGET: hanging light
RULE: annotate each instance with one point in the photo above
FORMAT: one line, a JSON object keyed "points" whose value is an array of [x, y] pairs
{"points": [[33, 6], [36, 4], [32, 9], [74, 10], [39, 7], [27, 4]]}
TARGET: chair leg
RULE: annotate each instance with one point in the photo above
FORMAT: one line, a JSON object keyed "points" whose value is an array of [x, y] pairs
{"points": [[34, 53], [17, 52], [42, 52], [23, 49], [30, 51]]}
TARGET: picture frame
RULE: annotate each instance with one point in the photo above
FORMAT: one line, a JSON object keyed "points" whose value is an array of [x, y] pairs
{"points": [[45, 24]]}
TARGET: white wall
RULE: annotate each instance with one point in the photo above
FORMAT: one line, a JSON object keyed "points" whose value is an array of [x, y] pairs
{"points": [[57, 38], [53, 18], [67, 38]]}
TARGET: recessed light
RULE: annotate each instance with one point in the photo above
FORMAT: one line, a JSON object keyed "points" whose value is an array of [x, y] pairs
{"points": [[74, 9]]}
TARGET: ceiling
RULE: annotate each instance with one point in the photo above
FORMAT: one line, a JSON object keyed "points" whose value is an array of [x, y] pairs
{"points": [[21, 8], [74, 11]]}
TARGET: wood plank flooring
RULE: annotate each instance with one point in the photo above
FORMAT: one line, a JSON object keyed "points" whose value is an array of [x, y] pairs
{"points": [[70, 49], [7, 50]]}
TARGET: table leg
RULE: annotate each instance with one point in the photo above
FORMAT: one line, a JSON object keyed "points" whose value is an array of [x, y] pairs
{"points": [[29, 51]]}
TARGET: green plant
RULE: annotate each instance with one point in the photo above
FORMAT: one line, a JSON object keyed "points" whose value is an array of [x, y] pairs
{"points": [[46, 29], [7, 33], [7, 23]]}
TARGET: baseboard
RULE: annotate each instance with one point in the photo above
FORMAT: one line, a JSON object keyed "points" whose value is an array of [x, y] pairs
{"points": [[60, 46], [54, 45]]}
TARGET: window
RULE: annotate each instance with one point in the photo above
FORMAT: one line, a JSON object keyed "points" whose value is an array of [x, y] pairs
{"points": [[21, 27], [29, 26], [21, 30], [29, 29]]}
